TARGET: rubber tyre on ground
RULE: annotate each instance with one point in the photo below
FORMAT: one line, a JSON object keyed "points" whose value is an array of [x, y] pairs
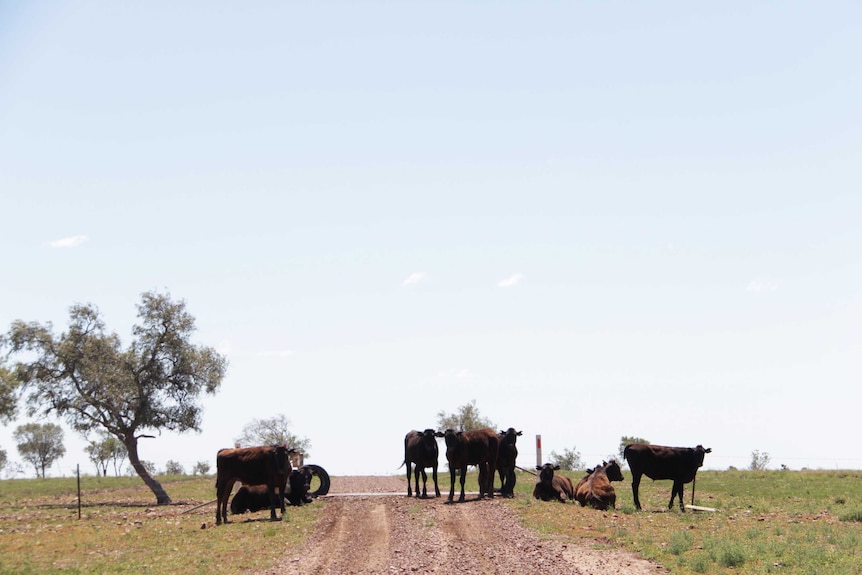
{"points": [[322, 476]]}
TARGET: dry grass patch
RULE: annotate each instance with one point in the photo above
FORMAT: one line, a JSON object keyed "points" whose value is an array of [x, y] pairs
{"points": [[122, 531]]}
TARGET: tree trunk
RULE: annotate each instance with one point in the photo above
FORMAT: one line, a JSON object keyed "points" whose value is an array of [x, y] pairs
{"points": [[156, 487]]}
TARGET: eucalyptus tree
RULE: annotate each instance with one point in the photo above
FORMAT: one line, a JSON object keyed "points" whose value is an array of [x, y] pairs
{"points": [[467, 418], [87, 377], [40, 445], [272, 431]]}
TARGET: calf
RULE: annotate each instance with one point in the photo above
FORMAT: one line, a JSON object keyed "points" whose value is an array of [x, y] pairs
{"points": [[478, 447], [264, 465], [658, 462], [551, 486], [596, 490], [298, 485], [506, 457], [421, 451]]}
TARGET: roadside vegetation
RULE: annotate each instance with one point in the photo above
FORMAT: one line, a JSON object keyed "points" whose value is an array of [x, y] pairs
{"points": [[122, 530], [788, 522]]}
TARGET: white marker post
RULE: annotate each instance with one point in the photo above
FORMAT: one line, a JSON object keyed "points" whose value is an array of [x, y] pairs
{"points": [[538, 451]]}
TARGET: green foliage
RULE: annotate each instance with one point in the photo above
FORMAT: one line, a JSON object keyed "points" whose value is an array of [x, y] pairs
{"points": [[201, 468], [40, 444], [855, 516], [272, 431], [466, 419], [105, 450], [8, 387], [570, 460], [87, 377], [3, 459], [174, 468]]}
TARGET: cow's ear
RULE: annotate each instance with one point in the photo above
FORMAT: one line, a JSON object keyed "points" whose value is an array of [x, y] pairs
{"points": [[439, 434], [708, 450], [556, 467], [539, 467], [520, 433]]}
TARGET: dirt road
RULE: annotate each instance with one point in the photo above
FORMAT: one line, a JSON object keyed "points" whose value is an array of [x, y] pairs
{"points": [[375, 534]]}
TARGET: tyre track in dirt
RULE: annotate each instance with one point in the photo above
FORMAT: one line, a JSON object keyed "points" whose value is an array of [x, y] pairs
{"points": [[386, 534]]}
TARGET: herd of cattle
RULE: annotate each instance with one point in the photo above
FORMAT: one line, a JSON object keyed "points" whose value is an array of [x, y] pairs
{"points": [[495, 452], [268, 478]]}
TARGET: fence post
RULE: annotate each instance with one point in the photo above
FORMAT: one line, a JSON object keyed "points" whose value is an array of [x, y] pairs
{"points": [[538, 450]]}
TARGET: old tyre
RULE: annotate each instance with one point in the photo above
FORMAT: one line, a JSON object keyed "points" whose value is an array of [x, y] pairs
{"points": [[322, 476]]}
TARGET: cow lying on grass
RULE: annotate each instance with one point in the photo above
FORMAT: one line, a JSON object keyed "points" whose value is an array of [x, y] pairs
{"points": [[253, 498], [595, 490], [553, 487]]}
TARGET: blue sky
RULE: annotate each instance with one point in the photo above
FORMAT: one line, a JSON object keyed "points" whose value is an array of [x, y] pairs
{"points": [[596, 219]]}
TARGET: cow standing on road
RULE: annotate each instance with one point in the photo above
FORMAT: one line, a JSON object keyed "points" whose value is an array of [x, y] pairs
{"points": [[479, 448], [420, 450], [658, 462], [506, 458]]}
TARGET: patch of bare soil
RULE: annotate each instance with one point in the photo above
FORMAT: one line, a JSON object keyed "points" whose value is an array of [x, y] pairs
{"points": [[382, 534]]}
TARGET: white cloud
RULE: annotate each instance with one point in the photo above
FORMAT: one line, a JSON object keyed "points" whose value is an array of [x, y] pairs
{"points": [[511, 281], [760, 286], [414, 278], [70, 242]]}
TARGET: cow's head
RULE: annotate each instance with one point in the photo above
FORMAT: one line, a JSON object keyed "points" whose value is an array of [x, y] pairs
{"points": [[546, 471], [452, 437], [613, 471], [510, 436], [281, 454], [699, 452]]}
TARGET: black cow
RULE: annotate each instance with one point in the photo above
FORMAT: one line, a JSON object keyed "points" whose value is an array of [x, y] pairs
{"points": [[298, 485], [658, 462], [506, 457], [551, 486], [421, 451], [479, 448], [264, 465]]}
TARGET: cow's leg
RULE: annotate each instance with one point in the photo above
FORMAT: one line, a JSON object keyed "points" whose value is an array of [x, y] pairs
{"points": [[223, 489], [451, 482], [409, 479], [677, 492], [636, 481], [273, 503], [416, 478], [424, 484], [434, 476], [463, 478]]}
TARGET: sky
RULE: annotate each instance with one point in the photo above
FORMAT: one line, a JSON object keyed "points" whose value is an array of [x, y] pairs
{"points": [[595, 219]]}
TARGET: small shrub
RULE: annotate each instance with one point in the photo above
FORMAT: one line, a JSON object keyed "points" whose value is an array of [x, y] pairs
{"points": [[680, 542], [731, 555], [852, 516], [699, 563]]}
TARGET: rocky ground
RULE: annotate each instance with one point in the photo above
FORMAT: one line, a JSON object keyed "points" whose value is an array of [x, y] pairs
{"points": [[372, 531]]}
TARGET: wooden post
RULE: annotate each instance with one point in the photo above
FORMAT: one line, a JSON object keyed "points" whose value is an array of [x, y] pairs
{"points": [[78, 468]]}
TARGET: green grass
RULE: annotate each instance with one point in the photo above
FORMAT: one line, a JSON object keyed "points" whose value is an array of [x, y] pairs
{"points": [[789, 522], [121, 530]]}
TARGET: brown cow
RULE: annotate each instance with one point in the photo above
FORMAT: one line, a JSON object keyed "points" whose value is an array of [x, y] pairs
{"points": [[658, 462], [551, 486], [264, 465], [478, 447], [595, 489], [421, 451], [506, 458]]}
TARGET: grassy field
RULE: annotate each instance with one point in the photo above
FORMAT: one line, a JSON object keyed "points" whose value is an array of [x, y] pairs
{"points": [[789, 522], [121, 530]]}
